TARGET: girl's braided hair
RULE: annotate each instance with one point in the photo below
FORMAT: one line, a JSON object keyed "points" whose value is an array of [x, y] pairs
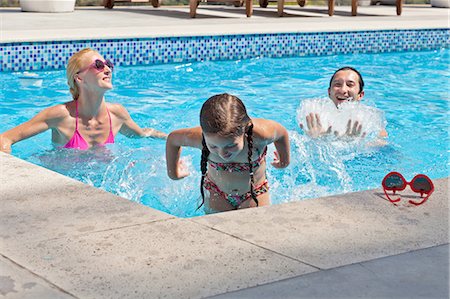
{"points": [[225, 115]]}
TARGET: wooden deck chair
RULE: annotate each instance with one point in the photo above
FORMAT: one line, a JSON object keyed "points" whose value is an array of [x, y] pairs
{"points": [[280, 5], [355, 7], [264, 3], [110, 3], [193, 4]]}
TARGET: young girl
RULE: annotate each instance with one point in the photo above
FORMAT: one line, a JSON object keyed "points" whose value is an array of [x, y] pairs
{"points": [[234, 147]]}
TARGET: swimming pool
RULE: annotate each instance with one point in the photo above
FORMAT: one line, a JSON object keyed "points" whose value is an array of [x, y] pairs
{"points": [[411, 87]]}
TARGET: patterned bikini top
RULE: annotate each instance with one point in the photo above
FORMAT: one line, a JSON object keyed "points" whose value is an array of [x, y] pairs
{"points": [[238, 167]]}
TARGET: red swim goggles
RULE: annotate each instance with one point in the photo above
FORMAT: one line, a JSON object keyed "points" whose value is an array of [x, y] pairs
{"points": [[394, 181], [99, 65]]}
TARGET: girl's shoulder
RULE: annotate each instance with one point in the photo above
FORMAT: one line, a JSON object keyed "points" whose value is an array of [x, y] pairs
{"points": [[263, 129], [187, 137]]}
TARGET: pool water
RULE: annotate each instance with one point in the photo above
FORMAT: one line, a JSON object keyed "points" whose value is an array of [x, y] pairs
{"points": [[412, 89]]}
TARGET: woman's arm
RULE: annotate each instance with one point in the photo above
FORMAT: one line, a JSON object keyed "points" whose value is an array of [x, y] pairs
{"points": [[131, 129], [184, 137], [270, 131], [44, 120]]}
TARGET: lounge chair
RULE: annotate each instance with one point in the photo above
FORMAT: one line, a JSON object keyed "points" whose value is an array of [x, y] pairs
{"points": [[193, 4], [264, 3], [110, 3]]}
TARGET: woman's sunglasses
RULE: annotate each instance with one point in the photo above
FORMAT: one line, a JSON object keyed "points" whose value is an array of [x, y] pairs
{"points": [[99, 65], [394, 181]]}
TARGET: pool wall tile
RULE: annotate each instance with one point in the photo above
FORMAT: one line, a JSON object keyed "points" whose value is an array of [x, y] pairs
{"points": [[26, 56]]}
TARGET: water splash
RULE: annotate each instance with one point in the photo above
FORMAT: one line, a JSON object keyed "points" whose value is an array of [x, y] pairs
{"points": [[372, 119]]}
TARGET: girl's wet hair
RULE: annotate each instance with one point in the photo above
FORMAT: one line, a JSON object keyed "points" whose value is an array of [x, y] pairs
{"points": [[349, 68], [225, 115]]}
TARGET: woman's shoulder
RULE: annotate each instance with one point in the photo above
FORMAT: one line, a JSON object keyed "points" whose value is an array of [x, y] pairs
{"points": [[58, 111], [114, 106], [118, 110]]}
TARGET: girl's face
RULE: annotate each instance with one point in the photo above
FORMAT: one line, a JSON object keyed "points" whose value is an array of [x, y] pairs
{"points": [[226, 148]]}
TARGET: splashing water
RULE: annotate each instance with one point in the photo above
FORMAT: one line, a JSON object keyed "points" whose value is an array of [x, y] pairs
{"points": [[371, 118]]}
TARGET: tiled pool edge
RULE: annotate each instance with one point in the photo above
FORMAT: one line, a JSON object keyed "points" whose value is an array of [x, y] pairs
{"points": [[18, 245], [26, 56]]}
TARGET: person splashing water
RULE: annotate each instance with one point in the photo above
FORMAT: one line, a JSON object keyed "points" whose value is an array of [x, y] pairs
{"points": [[345, 91], [370, 120]]}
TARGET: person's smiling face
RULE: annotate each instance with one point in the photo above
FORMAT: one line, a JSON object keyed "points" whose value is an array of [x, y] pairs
{"points": [[227, 148], [100, 78], [345, 87]]}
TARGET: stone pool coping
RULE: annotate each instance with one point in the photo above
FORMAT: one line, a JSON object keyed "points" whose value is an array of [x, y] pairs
{"points": [[61, 238]]}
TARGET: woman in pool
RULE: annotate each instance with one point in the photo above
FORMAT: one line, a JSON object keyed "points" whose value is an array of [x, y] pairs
{"points": [[87, 120], [233, 149]]}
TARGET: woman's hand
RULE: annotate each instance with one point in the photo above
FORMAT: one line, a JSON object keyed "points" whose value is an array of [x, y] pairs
{"points": [[149, 132]]}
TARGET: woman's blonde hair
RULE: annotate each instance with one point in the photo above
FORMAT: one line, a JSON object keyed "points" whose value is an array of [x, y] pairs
{"points": [[73, 67]]}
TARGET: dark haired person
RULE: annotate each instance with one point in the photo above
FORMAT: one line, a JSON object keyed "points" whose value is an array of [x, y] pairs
{"points": [[346, 84]]}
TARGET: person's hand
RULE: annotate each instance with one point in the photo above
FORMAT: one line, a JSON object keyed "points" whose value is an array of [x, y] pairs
{"points": [[149, 132], [276, 161], [314, 125], [354, 130], [182, 170], [5, 144]]}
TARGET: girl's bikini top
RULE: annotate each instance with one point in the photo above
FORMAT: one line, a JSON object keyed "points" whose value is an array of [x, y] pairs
{"points": [[77, 141], [238, 167]]}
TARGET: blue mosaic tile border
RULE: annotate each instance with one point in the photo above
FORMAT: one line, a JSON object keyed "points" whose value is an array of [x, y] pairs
{"points": [[25, 56]]}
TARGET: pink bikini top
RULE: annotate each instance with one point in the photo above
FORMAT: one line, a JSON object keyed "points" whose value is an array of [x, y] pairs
{"points": [[77, 141]]}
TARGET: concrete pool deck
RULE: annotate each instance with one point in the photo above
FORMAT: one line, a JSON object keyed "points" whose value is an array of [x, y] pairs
{"points": [[63, 239], [122, 22]]}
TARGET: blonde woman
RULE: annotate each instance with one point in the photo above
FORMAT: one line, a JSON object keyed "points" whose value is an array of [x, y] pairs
{"points": [[88, 120]]}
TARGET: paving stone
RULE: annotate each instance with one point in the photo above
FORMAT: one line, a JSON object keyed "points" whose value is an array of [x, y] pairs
{"points": [[168, 259]]}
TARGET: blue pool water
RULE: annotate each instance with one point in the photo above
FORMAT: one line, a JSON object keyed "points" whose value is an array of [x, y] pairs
{"points": [[411, 88]]}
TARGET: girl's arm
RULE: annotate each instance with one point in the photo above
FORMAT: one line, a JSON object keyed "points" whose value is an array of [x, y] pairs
{"points": [[191, 137], [130, 128], [44, 120], [270, 131]]}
